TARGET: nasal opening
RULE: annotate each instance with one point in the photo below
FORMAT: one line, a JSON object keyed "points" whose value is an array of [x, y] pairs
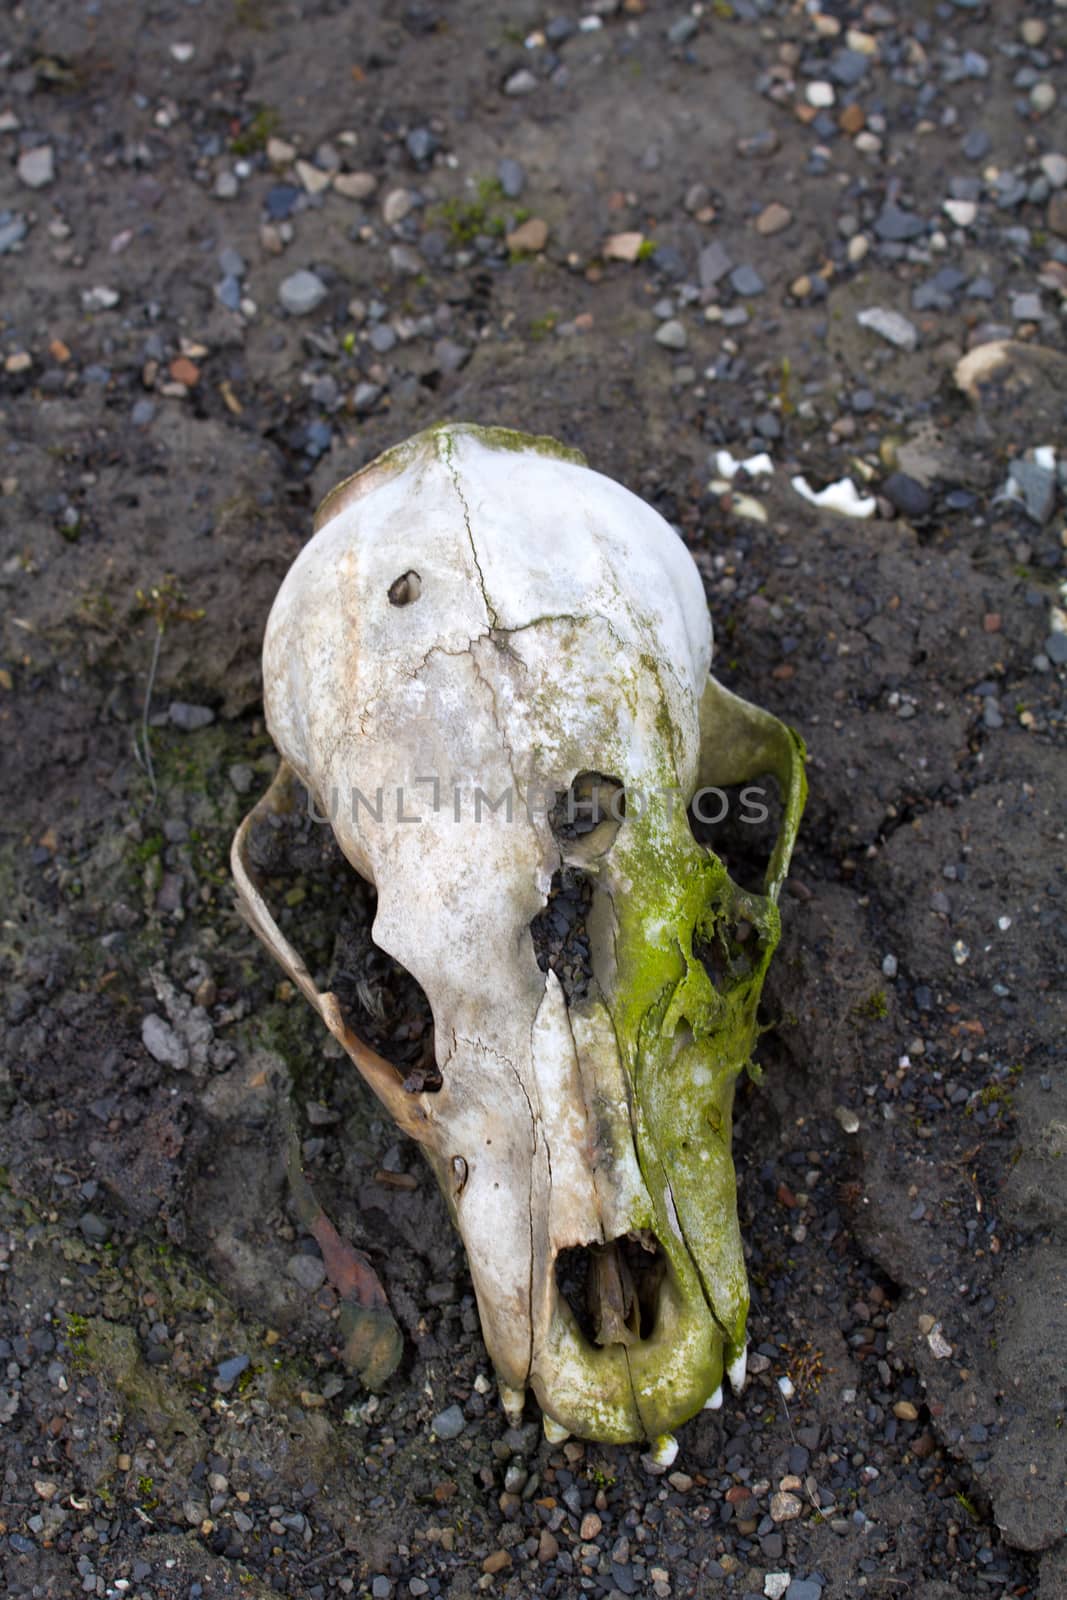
{"points": [[613, 1289]]}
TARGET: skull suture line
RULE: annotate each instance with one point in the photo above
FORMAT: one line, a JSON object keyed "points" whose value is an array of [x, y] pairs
{"points": [[480, 612]]}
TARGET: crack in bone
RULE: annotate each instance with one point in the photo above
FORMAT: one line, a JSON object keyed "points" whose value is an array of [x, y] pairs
{"points": [[447, 456]]}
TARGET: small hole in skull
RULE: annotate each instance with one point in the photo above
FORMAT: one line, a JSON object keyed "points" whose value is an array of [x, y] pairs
{"points": [[586, 817], [405, 589], [740, 823], [613, 1289], [560, 934], [326, 911], [729, 953]]}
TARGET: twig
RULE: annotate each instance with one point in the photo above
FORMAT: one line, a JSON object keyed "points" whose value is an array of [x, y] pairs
{"points": [[143, 749]]}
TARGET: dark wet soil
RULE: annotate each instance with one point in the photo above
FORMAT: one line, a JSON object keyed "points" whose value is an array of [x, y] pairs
{"points": [[175, 1416]]}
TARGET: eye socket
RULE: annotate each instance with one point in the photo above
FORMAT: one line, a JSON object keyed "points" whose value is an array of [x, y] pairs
{"points": [[403, 591]]}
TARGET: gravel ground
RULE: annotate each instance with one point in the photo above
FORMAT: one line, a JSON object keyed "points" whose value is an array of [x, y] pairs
{"points": [[244, 245]]}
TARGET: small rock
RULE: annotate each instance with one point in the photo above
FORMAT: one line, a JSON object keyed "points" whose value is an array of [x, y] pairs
{"points": [[892, 326], [623, 246], [37, 167], [746, 281], [804, 1589], [773, 219], [1026, 307], [184, 716], [1036, 485], [531, 236], [907, 495], [1056, 648], [302, 293], [896, 226], [590, 1527], [1042, 98], [313, 179], [775, 1584], [906, 1411], [396, 205], [355, 185], [961, 212], [785, 1507], [1057, 213], [226, 186], [99, 298], [1054, 167], [422, 145], [230, 1370], [521, 82], [450, 1423], [672, 335], [163, 1044], [307, 1271], [449, 356], [820, 94], [94, 1229], [512, 176], [12, 231]]}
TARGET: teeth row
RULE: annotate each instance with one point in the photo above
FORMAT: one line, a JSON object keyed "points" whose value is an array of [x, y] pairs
{"points": [[555, 1433], [738, 1370]]}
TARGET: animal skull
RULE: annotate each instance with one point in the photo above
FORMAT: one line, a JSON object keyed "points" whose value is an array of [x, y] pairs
{"points": [[479, 615]]}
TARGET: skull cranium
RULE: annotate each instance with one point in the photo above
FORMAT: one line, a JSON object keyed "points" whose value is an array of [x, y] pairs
{"points": [[488, 637]]}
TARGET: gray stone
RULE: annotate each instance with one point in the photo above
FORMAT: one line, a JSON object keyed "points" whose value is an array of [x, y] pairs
{"points": [[512, 177], [804, 1589], [1026, 307], [307, 1271], [681, 31], [1054, 166], [163, 1044], [977, 145], [366, 397], [889, 325], [12, 231], [226, 186], [450, 1423], [745, 280], [302, 292], [143, 412], [228, 293], [848, 67], [450, 356], [672, 335], [896, 225], [1037, 485], [521, 82], [907, 495], [189, 718], [37, 167], [1056, 649], [382, 338], [230, 1370], [422, 144], [232, 263], [96, 1230]]}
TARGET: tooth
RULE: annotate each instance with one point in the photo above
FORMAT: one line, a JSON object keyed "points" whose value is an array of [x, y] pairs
{"points": [[664, 1450], [555, 1433], [513, 1401], [737, 1370], [714, 1401]]}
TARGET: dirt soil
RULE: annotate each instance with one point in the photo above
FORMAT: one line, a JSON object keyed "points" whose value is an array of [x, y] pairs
{"points": [[175, 1418]]}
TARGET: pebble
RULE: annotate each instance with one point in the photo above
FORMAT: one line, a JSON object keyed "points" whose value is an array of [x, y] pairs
{"points": [[13, 229], [307, 1271], [962, 212], [746, 281], [94, 1229], [180, 713], [512, 177], [37, 167], [226, 186], [1042, 98], [820, 94], [1054, 167], [355, 185], [449, 356], [804, 1589], [521, 82], [397, 205], [302, 293], [892, 326], [230, 1370], [313, 179], [450, 1423], [672, 335], [623, 246], [1056, 648], [1037, 486], [896, 226], [713, 263], [785, 1507], [99, 298], [529, 237], [910, 498], [773, 219], [775, 1585]]}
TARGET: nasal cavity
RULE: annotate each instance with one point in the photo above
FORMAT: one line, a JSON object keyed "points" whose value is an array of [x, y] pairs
{"points": [[560, 933], [587, 817], [613, 1289]]}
